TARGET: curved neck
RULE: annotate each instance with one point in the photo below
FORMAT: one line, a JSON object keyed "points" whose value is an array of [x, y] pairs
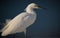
{"points": [[30, 10]]}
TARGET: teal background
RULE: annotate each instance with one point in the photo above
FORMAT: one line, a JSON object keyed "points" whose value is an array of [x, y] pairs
{"points": [[46, 25]]}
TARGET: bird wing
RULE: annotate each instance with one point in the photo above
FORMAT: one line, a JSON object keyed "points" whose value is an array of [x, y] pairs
{"points": [[11, 26], [7, 21]]}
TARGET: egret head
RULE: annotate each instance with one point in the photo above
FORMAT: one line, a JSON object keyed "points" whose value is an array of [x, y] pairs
{"points": [[33, 6]]}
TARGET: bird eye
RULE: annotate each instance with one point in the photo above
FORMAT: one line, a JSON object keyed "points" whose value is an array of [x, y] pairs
{"points": [[36, 5]]}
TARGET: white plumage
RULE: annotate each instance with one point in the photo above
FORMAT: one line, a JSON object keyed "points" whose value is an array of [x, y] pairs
{"points": [[21, 21]]}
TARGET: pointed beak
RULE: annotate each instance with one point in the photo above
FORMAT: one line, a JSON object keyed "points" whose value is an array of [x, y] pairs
{"points": [[41, 7]]}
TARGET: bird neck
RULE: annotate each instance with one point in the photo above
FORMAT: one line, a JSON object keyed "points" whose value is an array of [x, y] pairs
{"points": [[30, 10]]}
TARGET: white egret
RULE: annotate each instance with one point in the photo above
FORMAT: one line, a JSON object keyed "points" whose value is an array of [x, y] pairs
{"points": [[21, 21]]}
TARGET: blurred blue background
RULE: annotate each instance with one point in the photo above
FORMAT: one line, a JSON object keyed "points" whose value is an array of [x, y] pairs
{"points": [[46, 25]]}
